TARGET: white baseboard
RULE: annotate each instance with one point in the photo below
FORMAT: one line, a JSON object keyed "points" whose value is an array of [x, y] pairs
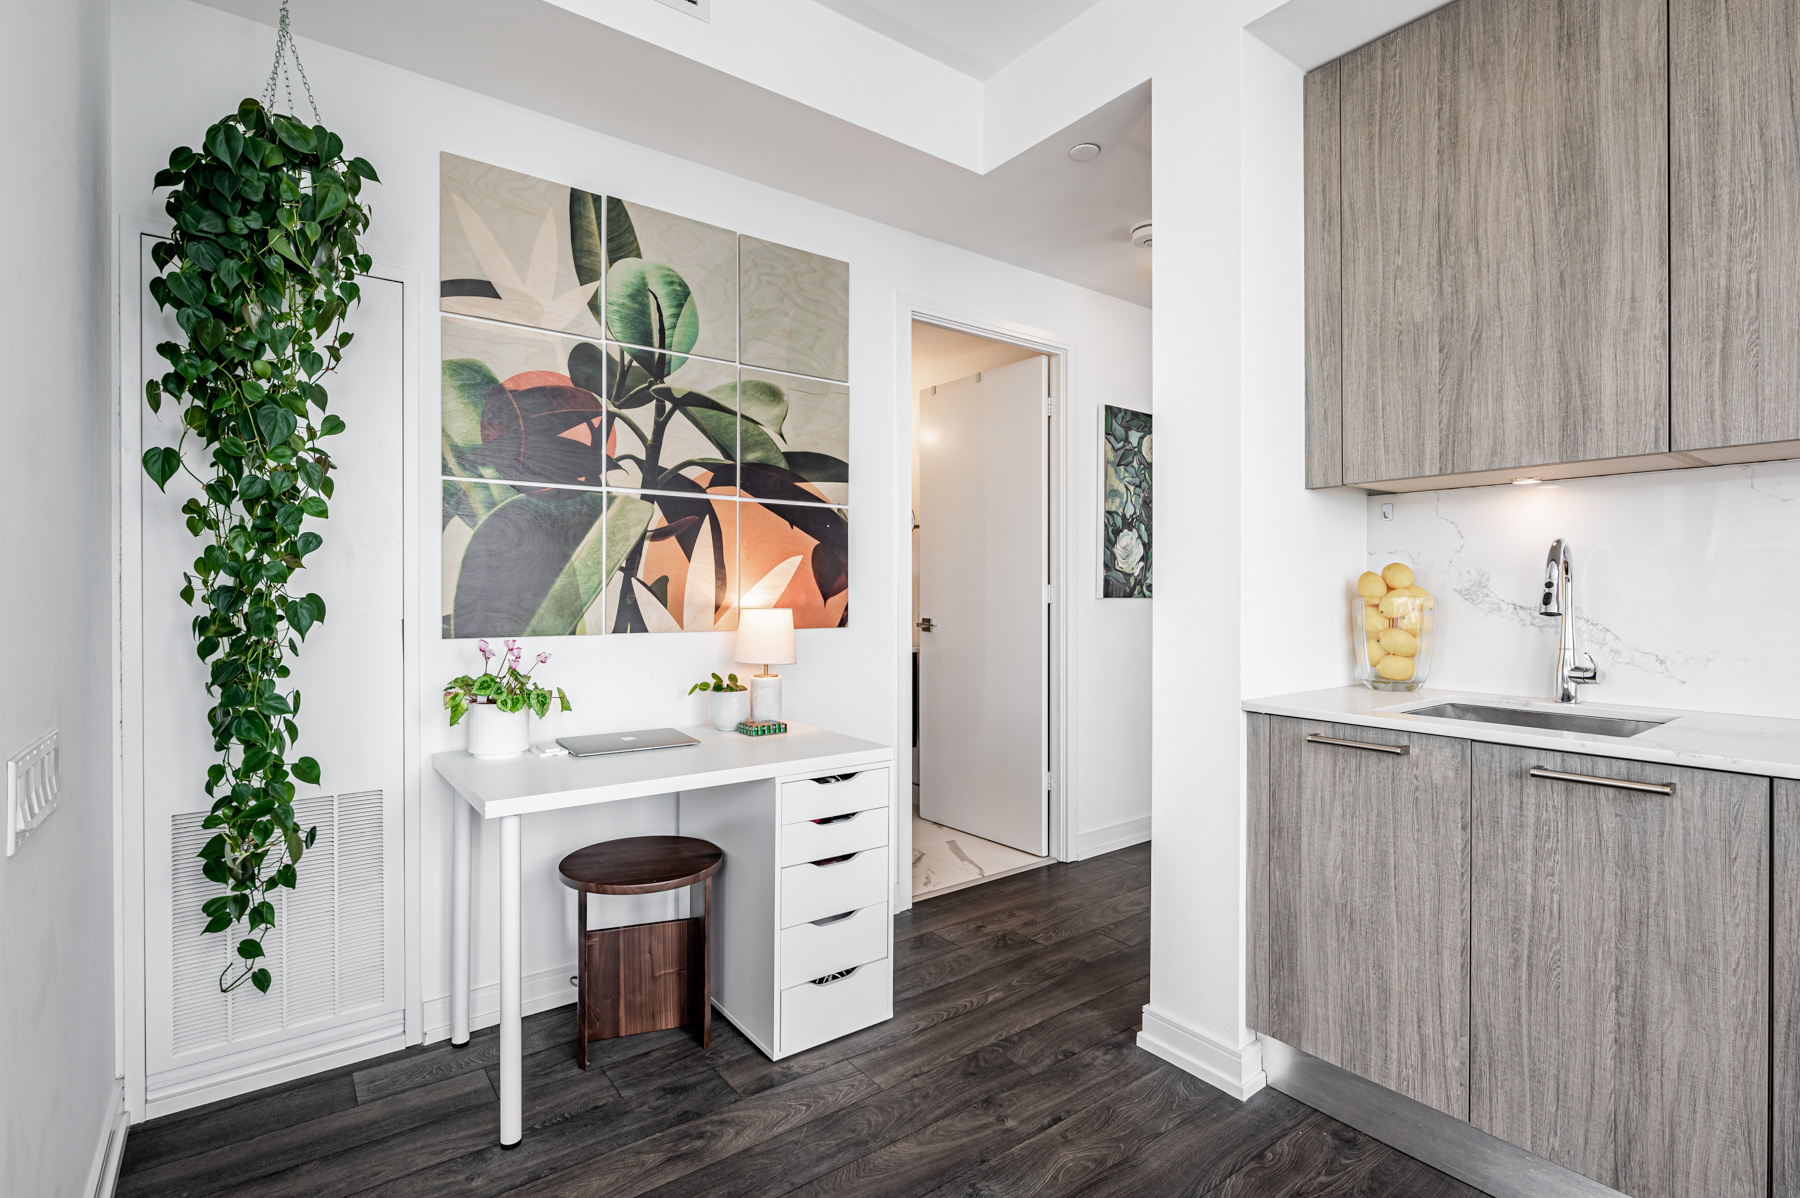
{"points": [[103, 1174], [1111, 837], [1236, 1070], [273, 1063], [539, 991]]}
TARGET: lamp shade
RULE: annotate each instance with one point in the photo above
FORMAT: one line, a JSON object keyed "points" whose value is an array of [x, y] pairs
{"points": [[765, 636]]}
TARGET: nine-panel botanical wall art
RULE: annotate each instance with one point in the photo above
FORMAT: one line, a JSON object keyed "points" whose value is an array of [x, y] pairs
{"points": [[645, 418], [1125, 522]]}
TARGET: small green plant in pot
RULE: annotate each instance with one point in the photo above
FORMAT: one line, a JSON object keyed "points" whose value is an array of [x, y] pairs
{"points": [[730, 702], [499, 700]]}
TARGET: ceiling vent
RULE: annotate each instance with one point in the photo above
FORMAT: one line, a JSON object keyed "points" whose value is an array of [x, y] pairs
{"points": [[701, 9], [1140, 235]]}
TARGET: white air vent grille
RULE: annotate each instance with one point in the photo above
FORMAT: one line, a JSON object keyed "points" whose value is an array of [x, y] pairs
{"points": [[328, 949]]}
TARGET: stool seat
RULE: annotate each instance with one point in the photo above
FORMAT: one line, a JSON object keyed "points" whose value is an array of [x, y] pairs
{"points": [[641, 865]]}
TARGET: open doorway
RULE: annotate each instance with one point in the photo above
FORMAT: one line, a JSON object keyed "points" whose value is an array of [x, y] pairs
{"points": [[981, 611]]}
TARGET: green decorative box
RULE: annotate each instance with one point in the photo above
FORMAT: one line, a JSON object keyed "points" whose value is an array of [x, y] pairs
{"points": [[761, 728]]}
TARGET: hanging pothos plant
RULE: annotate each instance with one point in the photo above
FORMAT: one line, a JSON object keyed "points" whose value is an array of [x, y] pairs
{"points": [[260, 270]]}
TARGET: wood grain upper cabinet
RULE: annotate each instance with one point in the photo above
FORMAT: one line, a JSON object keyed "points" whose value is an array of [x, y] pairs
{"points": [[1621, 971], [1504, 175], [1359, 889], [1734, 134]]}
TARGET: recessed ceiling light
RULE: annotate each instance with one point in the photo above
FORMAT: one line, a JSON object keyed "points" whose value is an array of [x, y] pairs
{"points": [[1086, 151], [1525, 482]]}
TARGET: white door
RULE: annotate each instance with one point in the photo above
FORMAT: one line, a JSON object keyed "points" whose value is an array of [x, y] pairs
{"points": [[337, 948], [983, 567]]}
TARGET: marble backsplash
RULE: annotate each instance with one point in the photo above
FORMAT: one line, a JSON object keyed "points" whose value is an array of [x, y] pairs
{"points": [[1687, 583]]}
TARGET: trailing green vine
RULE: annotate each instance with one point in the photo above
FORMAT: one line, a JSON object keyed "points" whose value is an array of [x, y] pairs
{"points": [[260, 269]]}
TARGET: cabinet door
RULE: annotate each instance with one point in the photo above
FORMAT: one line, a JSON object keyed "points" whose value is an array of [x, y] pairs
{"points": [[1505, 238], [1734, 132], [1621, 957], [1324, 283], [1359, 902], [1786, 1162]]}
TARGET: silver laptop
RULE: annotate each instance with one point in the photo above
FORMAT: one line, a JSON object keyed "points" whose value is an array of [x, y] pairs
{"points": [[624, 742]]}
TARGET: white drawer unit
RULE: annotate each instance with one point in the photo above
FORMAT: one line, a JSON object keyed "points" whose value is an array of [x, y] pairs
{"points": [[814, 1012], [833, 836], [805, 895], [833, 944], [836, 885], [834, 794]]}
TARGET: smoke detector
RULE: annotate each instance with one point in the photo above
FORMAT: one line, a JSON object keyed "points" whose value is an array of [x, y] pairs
{"points": [[1085, 151], [1140, 235]]}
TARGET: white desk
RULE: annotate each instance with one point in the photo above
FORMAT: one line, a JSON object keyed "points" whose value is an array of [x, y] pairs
{"points": [[749, 813]]}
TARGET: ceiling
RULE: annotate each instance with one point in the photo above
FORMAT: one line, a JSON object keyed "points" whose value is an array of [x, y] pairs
{"points": [[976, 37], [1038, 210], [941, 355]]}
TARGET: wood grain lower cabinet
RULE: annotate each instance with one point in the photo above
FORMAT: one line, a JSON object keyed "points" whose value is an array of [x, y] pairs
{"points": [[1359, 893], [1785, 1162], [1620, 957]]}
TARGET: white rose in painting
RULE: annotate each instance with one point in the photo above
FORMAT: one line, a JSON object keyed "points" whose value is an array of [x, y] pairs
{"points": [[1145, 448], [1128, 552]]}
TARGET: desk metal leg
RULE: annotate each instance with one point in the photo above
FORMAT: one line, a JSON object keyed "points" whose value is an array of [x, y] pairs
{"points": [[512, 1065], [461, 815]]}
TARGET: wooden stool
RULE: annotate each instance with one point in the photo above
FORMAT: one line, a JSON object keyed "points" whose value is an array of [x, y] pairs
{"points": [[648, 976]]}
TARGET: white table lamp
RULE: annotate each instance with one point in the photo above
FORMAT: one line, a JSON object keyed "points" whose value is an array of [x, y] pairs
{"points": [[765, 637]]}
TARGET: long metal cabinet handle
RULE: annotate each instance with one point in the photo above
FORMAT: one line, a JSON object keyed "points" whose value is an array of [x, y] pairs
{"points": [[1396, 750], [1649, 788]]}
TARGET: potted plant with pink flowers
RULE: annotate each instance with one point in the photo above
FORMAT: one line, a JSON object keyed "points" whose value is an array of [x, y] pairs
{"points": [[499, 700]]}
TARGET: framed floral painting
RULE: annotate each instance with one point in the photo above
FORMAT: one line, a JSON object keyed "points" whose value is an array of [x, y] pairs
{"points": [[1125, 553]]}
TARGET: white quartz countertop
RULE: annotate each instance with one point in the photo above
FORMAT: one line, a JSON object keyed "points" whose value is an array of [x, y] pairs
{"points": [[1744, 744]]}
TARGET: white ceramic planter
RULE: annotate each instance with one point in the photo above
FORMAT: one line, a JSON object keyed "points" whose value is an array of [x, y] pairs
{"points": [[728, 709], [496, 733]]}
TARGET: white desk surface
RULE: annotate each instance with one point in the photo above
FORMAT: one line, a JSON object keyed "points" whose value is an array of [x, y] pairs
{"points": [[502, 786]]}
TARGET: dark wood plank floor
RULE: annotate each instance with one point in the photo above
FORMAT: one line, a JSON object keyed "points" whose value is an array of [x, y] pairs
{"points": [[1009, 1068]]}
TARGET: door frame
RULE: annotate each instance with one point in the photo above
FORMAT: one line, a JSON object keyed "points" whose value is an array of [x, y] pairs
{"points": [[1060, 670], [129, 997]]}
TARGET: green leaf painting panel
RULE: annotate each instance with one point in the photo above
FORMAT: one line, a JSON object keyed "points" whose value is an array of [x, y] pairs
{"points": [[671, 282], [1125, 548], [795, 310], [522, 406], [679, 572], [673, 422], [796, 555], [506, 249], [535, 564], [806, 422]]}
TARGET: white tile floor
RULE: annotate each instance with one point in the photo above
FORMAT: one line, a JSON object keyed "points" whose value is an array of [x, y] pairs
{"points": [[946, 859]]}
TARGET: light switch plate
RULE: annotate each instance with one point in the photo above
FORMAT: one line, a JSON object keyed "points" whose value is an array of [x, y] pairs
{"points": [[33, 783], [701, 9]]}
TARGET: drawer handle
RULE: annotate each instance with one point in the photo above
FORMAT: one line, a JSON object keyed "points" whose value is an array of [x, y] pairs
{"points": [[838, 819], [839, 976], [825, 861], [1397, 750], [831, 919], [831, 779], [1648, 788]]}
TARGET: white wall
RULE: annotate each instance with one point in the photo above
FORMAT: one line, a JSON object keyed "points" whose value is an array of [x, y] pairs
{"points": [[845, 678], [1684, 583], [56, 898]]}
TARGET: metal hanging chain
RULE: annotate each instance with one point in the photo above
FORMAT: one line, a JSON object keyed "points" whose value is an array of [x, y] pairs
{"points": [[285, 47]]}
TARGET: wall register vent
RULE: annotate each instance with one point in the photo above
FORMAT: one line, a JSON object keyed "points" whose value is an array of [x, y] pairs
{"points": [[327, 948]]}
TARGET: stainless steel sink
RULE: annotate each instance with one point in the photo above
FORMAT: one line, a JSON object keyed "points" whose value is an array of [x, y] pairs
{"points": [[1530, 717]]}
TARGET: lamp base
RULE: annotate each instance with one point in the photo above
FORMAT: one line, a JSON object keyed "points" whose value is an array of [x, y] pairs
{"points": [[765, 697]]}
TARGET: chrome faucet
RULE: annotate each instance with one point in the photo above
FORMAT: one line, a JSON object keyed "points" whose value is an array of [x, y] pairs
{"points": [[1559, 602]]}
